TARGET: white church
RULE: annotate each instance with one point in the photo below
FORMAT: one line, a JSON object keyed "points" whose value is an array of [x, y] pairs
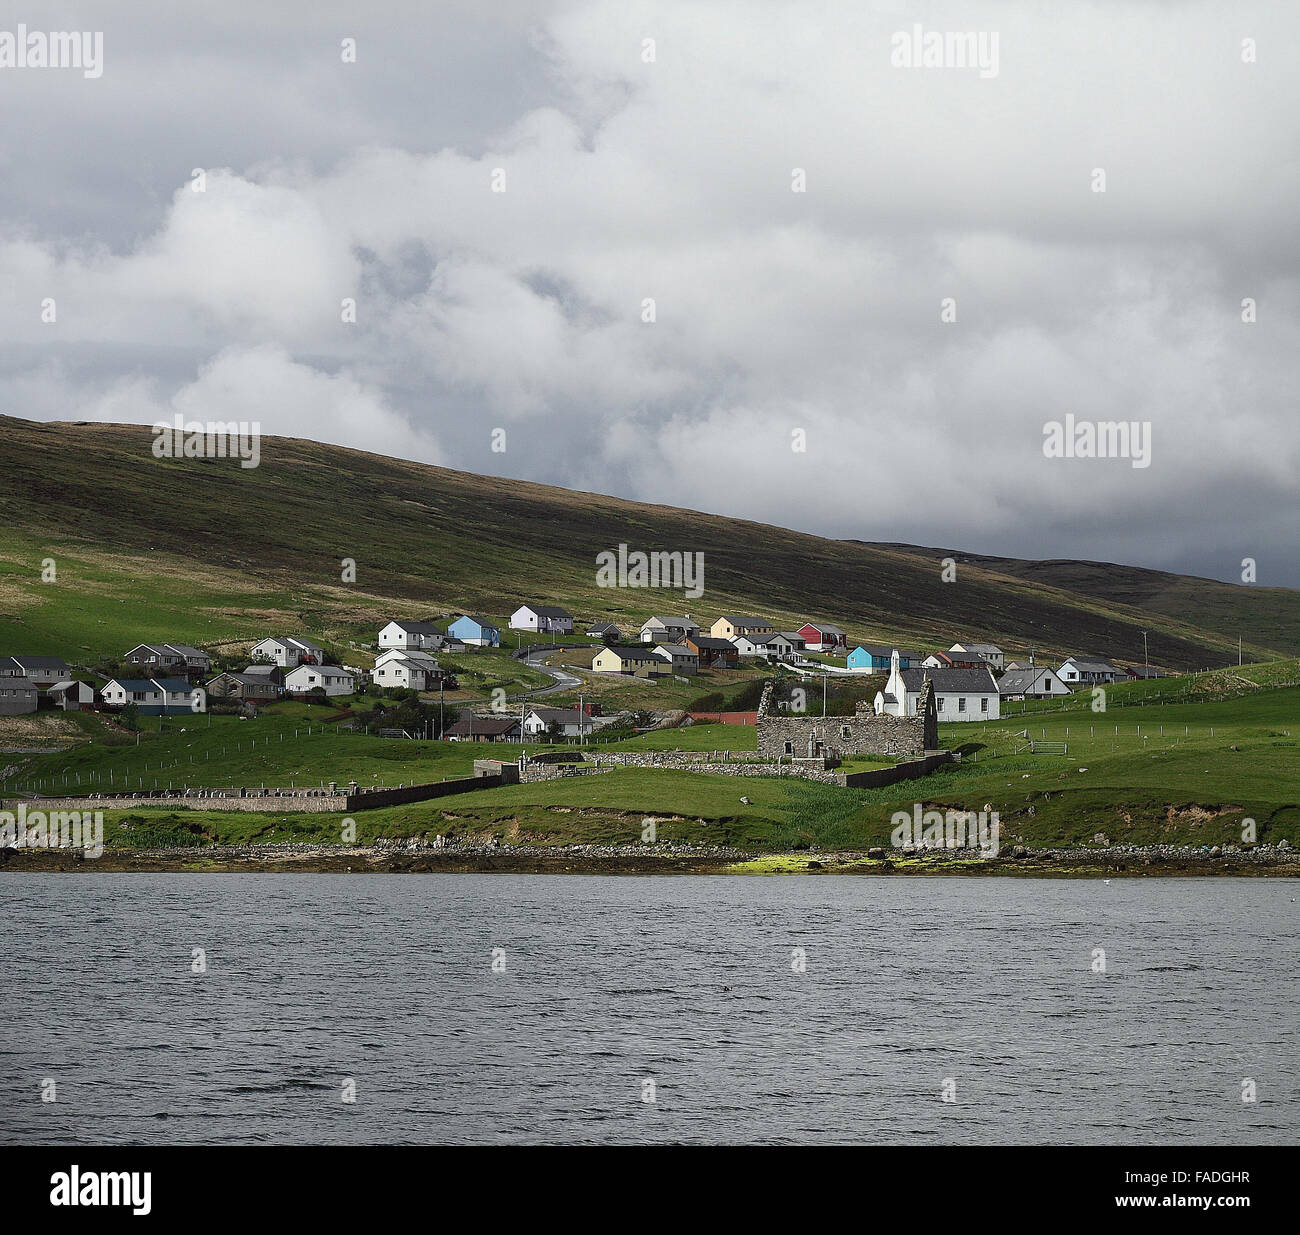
{"points": [[959, 694]]}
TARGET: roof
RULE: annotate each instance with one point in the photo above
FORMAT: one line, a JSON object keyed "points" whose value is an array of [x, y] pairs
{"points": [[739, 619], [559, 716], [1018, 681], [676, 649], [40, 662], [886, 650], [469, 723], [1092, 664], [172, 686], [260, 670], [478, 621], [547, 611], [60, 687], [793, 635], [326, 671], [244, 679], [630, 652], [972, 681], [8, 665], [186, 650], [602, 626], [980, 649], [135, 687], [414, 628], [15, 683], [707, 643], [684, 622]]}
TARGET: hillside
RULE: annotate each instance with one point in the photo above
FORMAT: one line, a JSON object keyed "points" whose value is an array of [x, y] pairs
{"points": [[205, 552]]}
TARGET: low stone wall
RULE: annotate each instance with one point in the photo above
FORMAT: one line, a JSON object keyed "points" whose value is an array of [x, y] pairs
{"points": [[900, 771], [724, 718], [863, 733]]}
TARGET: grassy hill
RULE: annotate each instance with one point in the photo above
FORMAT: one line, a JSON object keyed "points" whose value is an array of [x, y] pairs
{"points": [[205, 552]]}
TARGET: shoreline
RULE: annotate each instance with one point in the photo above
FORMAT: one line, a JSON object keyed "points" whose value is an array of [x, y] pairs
{"points": [[397, 857]]}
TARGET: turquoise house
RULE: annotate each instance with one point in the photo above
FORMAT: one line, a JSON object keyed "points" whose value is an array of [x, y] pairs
{"points": [[475, 630], [875, 657]]}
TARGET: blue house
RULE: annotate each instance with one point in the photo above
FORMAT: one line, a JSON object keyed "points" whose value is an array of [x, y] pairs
{"points": [[475, 630], [875, 657]]}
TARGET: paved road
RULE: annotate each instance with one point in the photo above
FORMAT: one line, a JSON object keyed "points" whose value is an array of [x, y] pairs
{"points": [[564, 680]]}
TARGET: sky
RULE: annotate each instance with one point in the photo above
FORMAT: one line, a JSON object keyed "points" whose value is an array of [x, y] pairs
{"points": [[739, 257]]}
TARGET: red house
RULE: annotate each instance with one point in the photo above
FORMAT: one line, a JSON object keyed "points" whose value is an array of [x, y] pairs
{"points": [[822, 637]]}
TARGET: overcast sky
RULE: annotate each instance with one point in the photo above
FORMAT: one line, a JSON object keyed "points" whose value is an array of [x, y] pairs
{"points": [[670, 178]]}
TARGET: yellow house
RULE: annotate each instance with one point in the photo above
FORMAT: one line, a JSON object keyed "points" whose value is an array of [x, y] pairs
{"points": [[641, 662], [733, 624]]}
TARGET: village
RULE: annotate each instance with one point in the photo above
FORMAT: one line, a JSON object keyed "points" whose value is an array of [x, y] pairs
{"points": [[968, 681]]}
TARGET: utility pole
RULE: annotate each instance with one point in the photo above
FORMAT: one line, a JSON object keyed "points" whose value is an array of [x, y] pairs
{"points": [[1146, 663]]}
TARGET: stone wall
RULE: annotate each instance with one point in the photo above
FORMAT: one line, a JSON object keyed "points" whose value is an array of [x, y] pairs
{"points": [[900, 771], [863, 733]]}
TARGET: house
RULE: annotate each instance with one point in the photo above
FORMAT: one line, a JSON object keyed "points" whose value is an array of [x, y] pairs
{"points": [[785, 645], [476, 631], [72, 696], [18, 696], [987, 652], [330, 678], [270, 673], [410, 636], [288, 652], [875, 658], [1033, 683], [164, 657], [640, 662], [959, 694], [541, 618], [952, 660], [564, 722], [749, 646], [607, 631], [40, 670], [1144, 672], [1088, 671], [822, 637], [719, 653], [468, 727], [254, 687], [155, 696], [669, 629], [683, 658], [732, 624], [413, 670]]}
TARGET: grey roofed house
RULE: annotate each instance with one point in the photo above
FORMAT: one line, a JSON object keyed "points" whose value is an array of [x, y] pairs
{"points": [[18, 696], [972, 681], [1021, 681], [10, 667], [1145, 671], [633, 652], [711, 644], [549, 611], [1093, 664], [43, 670], [676, 649], [262, 670], [491, 728], [603, 628]]}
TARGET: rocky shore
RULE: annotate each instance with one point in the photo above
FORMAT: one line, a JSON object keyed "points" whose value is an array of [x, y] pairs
{"points": [[657, 859]]}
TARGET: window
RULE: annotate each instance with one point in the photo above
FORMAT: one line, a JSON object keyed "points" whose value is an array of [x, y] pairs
{"points": [[939, 705], [789, 748], [984, 705], [844, 732], [961, 705]]}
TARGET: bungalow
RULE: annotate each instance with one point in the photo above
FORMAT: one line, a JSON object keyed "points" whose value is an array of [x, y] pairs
{"points": [[330, 678], [875, 658], [565, 722], [638, 661], [411, 636], [822, 637], [669, 629], [1088, 671], [1040, 683], [72, 696], [155, 696], [1144, 672], [986, 652], [255, 687], [161, 657], [468, 727], [959, 694], [731, 624], [18, 696], [683, 658], [541, 618], [720, 653], [785, 645], [477, 631], [413, 670], [749, 646], [288, 652], [41, 670], [607, 631]]}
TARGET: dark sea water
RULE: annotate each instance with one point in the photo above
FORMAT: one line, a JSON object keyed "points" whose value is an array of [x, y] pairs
{"points": [[609, 982]]}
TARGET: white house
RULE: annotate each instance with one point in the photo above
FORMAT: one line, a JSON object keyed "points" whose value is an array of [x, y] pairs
{"points": [[749, 645], [567, 722], [669, 629], [413, 670], [288, 652], [959, 694], [155, 696], [413, 636], [542, 618], [684, 660], [785, 644], [332, 679], [1089, 671], [1031, 683], [985, 651]]}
